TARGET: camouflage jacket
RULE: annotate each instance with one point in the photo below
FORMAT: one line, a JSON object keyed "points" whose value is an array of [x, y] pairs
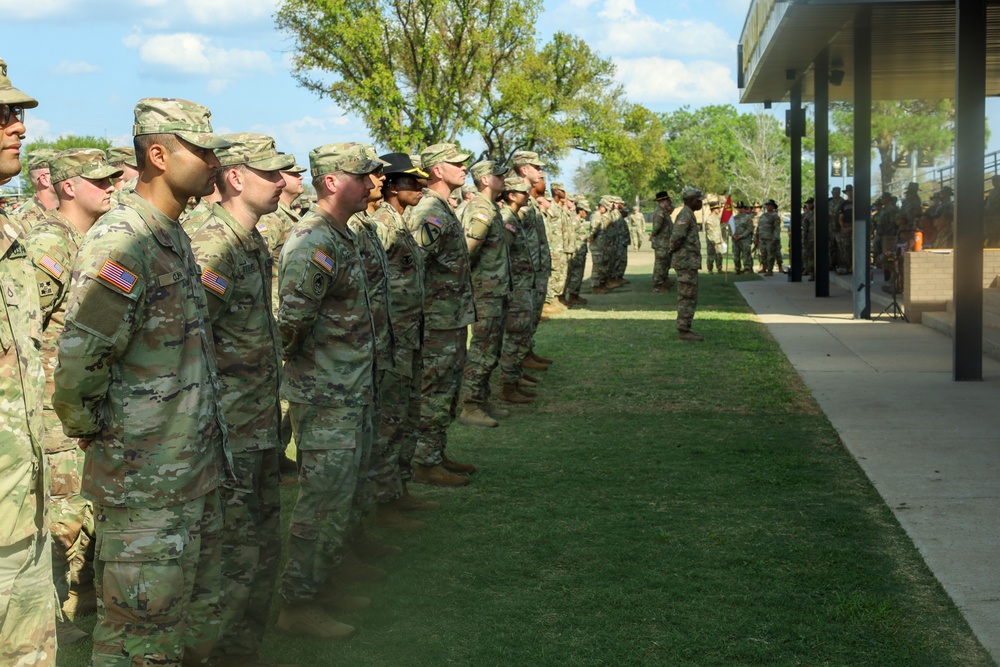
{"points": [[27, 215], [662, 228], [544, 252], [22, 483], [768, 227], [531, 238], [581, 234], [490, 259], [619, 223], [637, 222], [52, 246], [324, 317], [376, 265], [137, 372], [743, 222], [448, 300], [886, 221], [194, 218], [274, 227], [834, 206], [406, 277], [713, 228], [236, 275], [685, 242], [554, 230], [522, 269], [599, 233], [809, 225]]}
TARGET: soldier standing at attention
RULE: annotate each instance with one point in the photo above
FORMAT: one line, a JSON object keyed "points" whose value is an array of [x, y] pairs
{"points": [[578, 262], [489, 259], [31, 212], [328, 343], [713, 238], [637, 227], [845, 233], [137, 365], [598, 238], [743, 240], [449, 309], [236, 275], [82, 181], [766, 236], [685, 248], [567, 229], [123, 157], [660, 240], [27, 613], [834, 204], [809, 239]]}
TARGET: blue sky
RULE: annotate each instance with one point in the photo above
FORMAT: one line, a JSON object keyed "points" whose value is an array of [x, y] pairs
{"points": [[88, 61]]}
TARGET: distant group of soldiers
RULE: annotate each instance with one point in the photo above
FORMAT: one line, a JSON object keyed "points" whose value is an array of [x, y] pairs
{"points": [[176, 311]]}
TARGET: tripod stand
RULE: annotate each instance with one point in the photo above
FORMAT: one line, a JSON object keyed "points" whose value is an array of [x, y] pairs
{"points": [[893, 310]]}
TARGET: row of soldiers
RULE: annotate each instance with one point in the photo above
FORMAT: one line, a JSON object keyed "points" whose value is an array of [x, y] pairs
{"points": [[169, 349]]}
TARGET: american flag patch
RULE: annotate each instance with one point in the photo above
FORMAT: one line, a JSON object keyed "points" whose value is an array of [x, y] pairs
{"points": [[261, 227], [482, 216], [434, 221], [52, 266], [214, 282], [118, 275], [324, 260], [510, 228]]}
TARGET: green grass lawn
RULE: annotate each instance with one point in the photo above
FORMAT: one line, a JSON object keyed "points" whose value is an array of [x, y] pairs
{"points": [[662, 503]]}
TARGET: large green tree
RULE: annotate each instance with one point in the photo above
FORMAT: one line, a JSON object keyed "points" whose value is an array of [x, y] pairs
{"points": [[703, 148]]}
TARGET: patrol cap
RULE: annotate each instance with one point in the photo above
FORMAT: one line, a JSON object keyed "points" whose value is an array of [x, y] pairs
{"points": [[605, 201], [437, 153], [526, 157], [168, 115], [515, 184], [468, 190], [486, 168], [849, 188], [253, 150], [771, 202], [85, 162], [691, 193], [662, 194], [350, 157], [836, 189], [456, 194], [121, 155], [296, 168], [400, 163], [39, 159], [557, 186], [417, 162], [582, 205], [11, 95]]}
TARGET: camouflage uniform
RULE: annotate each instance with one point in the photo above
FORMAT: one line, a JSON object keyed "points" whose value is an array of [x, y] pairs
{"points": [[554, 220], [685, 248], [662, 230], [376, 266], [637, 228], [713, 239], [578, 260], [489, 263], [27, 215], [401, 385], [137, 365], [448, 310], [743, 242], [191, 220], [600, 240], [328, 338], [621, 236], [767, 237], [834, 205], [518, 324], [809, 241]]}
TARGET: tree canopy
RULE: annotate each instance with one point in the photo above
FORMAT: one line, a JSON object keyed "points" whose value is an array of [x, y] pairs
{"points": [[64, 142]]}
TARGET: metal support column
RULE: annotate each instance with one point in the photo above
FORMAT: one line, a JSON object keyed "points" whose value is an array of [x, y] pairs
{"points": [[862, 163], [970, 140], [821, 70], [796, 129]]}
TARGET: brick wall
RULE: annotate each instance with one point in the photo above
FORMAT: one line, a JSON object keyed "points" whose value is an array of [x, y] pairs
{"points": [[929, 280]]}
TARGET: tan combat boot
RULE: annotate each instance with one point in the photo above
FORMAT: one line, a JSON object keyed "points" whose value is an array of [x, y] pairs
{"points": [[526, 388], [689, 335], [411, 503], [393, 519], [474, 415], [540, 359], [353, 570], [578, 300], [531, 378], [599, 289], [310, 620], [334, 599], [533, 365], [510, 394], [495, 411], [456, 467], [437, 476]]}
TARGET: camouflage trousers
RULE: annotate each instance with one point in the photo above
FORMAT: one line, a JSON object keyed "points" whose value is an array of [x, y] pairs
{"points": [[742, 255], [714, 256], [159, 581], [444, 353], [484, 349], [557, 276], [845, 251], [687, 297], [598, 268], [767, 258], [517, 330], [251, 549], [70, 518], [400, 419], [808, 254], [636, 239], [577, 266], [661, 266], [27, 603], [334, 499], [619, 262]]}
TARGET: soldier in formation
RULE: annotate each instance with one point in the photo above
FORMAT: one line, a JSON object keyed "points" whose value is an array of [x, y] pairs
{"points": [[715, 234], [685, 249], [743, 230], [660, 240], [637, 227], [767, 237]]}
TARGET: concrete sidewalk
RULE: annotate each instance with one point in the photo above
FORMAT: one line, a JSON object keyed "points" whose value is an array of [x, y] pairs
{"points": [[930, 446]]}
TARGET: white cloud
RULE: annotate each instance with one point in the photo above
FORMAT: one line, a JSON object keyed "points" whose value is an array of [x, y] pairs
{"points": [[74, 68], [618, 9], [192, 54], [36, 127], [301, 135], [25, 10], [634, 33], [654, 81]]}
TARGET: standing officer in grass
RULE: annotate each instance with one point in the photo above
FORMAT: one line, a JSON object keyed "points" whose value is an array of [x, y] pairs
{"points": [[578, 261], [743, 239], [660, 240], [137, 385], [328, 341], [82, 181], [236, 275], [27, 609], [714, 237], [767, 237], [637, 227], [685, 249]]}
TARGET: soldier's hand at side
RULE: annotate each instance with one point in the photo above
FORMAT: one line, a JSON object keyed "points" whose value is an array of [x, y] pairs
{"points": [[83, 444]]}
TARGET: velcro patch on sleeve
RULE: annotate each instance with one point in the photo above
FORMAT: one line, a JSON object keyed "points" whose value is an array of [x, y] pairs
{"points": [[261, 227], [510, 228], [52, 267], [215, 281], [118, 275], [482, 216], [324, 260], [435, 221]]}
